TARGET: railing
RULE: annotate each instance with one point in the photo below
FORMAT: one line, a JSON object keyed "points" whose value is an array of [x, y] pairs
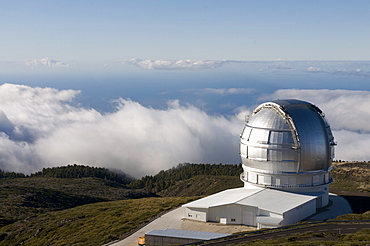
{"points": [[242, 178]]}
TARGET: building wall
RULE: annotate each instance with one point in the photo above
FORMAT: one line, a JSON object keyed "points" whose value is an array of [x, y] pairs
{"points": [[233, 214], [246, 215], [152, 240], [299, 213], [228, 214], [286, 181], [249, 215], [270, 214], [260, 226], [196, 214]]}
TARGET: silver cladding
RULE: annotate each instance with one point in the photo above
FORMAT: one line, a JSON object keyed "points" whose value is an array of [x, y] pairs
{"points": [[287, 136]]}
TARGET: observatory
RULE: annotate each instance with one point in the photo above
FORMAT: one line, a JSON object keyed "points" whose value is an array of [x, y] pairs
{"points": [[287, 148], [288, 145]]}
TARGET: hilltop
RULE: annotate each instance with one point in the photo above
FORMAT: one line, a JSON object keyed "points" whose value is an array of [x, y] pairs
{"points": [[60, 188], [74, 197]]}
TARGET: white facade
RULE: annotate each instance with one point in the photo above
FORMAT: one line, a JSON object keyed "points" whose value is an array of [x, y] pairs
{"points": [[258, 207], [287, 148]]}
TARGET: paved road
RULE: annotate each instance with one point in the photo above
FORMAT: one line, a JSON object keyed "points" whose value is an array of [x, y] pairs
{"points": [[173, 220], [336, 228]]}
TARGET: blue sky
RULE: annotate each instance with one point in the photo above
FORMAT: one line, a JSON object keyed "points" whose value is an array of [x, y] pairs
{"points": [[95, 31], [144, 85]]}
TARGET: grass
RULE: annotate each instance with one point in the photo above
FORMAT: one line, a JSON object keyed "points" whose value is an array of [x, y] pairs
{"points": [[351, 177], [364, 216], [210, 185], [352, 181], [85, 211], [26, 197], [320, 239], [91, 224]]}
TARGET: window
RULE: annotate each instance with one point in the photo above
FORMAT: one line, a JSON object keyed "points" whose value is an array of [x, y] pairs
{"points": [[190, 215], [233, 220]]}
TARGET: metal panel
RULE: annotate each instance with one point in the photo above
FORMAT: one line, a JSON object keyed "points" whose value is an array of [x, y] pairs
{"points": [[259, 136], [314, 140], [243, 150], [257, 153], [286, 136], [281, 137]]}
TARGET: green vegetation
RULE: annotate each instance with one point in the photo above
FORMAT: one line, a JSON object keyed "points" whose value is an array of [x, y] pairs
{"points": [[166, 179], [92, 224], [320, 239], [81, 171], [24, 197], [12, 175], [54, 203], [81, 205], [350, 177], [210, 185], [352, 181], [364, 216]]}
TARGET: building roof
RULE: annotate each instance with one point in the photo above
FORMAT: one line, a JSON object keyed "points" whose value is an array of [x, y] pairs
{"points": [[275, 201], [186, 234], [225, 197]]}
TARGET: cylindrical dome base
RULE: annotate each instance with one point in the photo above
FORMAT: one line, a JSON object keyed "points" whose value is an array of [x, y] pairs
{"points": [[285, 181]]}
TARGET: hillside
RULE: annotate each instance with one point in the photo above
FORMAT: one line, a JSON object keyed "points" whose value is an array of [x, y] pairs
{"points": [[91, 224], [25, 197], [43, 208], [60, 188], [352, 181], [351, 177], [209, 185], [166, 179]]}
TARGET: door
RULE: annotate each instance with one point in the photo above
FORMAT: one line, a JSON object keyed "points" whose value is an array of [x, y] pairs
{"points": [[248, 218]]}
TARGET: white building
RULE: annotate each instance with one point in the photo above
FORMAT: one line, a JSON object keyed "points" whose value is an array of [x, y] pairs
{"points": [[287, 148], [169, 237]]}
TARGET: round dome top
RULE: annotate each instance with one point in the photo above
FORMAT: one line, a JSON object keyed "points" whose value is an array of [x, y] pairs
{"points": [[287, 136]]}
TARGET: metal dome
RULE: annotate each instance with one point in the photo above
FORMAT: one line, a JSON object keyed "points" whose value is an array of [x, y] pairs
{"points": [[287, 143]]}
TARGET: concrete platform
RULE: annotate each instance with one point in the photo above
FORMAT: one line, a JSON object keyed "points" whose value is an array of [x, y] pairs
{"points": [[173, 220], [339, 206]]}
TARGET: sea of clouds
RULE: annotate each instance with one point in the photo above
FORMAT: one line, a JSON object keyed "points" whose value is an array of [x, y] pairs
{"points": [[41, 127], [47, 62], [187, 64]]}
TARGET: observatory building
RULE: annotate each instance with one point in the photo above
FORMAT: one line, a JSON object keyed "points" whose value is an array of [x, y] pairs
{"points": [[287, 148]]}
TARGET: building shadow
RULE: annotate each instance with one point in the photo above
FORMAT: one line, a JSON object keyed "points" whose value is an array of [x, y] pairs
{"points": [[359, 204]]}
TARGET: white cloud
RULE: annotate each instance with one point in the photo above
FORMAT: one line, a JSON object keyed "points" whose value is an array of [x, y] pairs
{"points": [[357, 72], [136, 139], [39, 128], [35, 112], [45, 62], [280, 66], [227, 91], [340, 72], [348, 116], [176, 64], [314, 69]]}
